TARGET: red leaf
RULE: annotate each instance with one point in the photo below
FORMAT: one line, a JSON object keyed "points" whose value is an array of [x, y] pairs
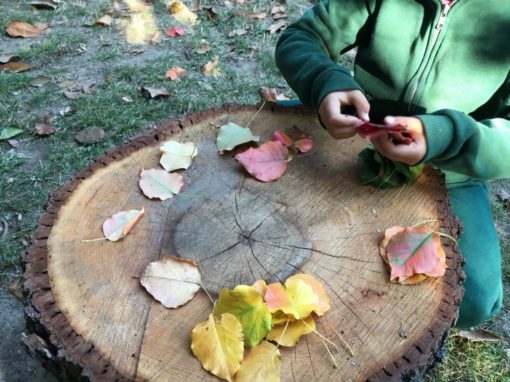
{"points": [[266, 163], [371, 130], [283, 138], [175, 31], [296, 140], [304, 145]]}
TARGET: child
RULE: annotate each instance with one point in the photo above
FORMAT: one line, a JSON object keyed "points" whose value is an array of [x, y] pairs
{"points": [[439, 67]]}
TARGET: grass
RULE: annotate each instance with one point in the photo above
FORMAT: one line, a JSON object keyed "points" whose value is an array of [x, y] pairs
{"points": [[247, 63]]}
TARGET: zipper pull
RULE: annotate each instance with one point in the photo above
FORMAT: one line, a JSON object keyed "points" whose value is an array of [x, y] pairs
{"points": [[444, 12]]}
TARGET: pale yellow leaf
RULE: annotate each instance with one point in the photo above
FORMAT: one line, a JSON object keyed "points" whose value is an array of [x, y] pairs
{"points": [[291, 335], [182, 13], [263, 364], [177, 155]]}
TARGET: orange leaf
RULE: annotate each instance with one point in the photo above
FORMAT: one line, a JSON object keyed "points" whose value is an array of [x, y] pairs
{"points": [[318, 289], [15, 67], [176, 73], [412, 254], [20, 28], [212, 68], [297, 298], [175, 31]]}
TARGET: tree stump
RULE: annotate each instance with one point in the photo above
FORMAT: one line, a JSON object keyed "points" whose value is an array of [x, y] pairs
{"points": [[94, 320]]}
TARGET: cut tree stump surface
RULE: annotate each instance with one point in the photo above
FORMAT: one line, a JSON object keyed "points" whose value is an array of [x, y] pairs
{"points": [[88, 305]]}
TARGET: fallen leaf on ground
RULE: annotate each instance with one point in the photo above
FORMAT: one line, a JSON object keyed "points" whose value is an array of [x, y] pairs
{"points": [[296, 298], [44, 4], [212, 12], [182, 13], [238, 32], [289, 334], [204, 47], [271, 95], [40, 81], [212, 68], [278, 27], [44, 129], [68, 110], [5, 58], [159, 184], [232, 135], [503, 195], [119, 225], [152, 92], [105, 21], [218, 345], [14, 143], [251, 15], [15, 67], [127, 99], [156, 38], [248, 306], [412, 254], [176, 73], [73, 95], [9, 132], [318, 289], [266, 163], [301, 145], [16, 288], [175, 31], [172, 281], [478, 335], [20, 28], [141, 27], [278, 12], [90, 135], [66, 84], [177, 155], [262, 364]]}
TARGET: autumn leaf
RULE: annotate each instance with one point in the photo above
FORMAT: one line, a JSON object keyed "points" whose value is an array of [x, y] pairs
{"points": [[182, 13], [5, 58], [238, 32], [289, 333], [260, 286], [20, 28], [9, 132], [412, 254], [278, 26], [369, 130], [318, 289], [159, 184], [175, 31], [90, 135], [296, 299], [44, 129], [15, 67], [154, 92], [283, 138], [73, 95], [262, 364], [204, 47], [266, 163], [44, 4], [218, 344], [232, 135], [248, 306], [39, 81], [176, 73], [119, 225], [303, 144], [212, 68], [177, 155], [105, 21], [271, 95], [171, 280]]}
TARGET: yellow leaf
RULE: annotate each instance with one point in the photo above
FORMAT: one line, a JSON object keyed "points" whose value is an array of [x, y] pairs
{"points": [[297, 298], [219, 345], [182, 13], [260, 286], [318, 289], [177, 155], [212, 68], [293, 333], [261, 365]]}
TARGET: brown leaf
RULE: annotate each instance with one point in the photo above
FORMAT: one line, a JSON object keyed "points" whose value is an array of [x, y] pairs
{"points": [[278, 26], [68, 110], [73, 95], [212, 12], [66, 85], [16, 289], [87, 87], [238, 32], [204, 47], [152, 92], [271, 94], [277, 9], [44, 4], [251, 15], [105, 21], [90, 135], [478, 335], [156, 38], [20, 28], [39, 81], [5, 58], [176, 73], [15, 67], [212, 68], [44, 129]]}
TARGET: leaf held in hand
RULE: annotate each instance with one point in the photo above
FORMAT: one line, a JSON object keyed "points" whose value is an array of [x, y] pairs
{"points": [[219, 346], [369, 130], [177, 155], [119, 225], [171, 280], [261, 365], [412, 254], [289, 334], [232, 135], [297, 298], [159, 184], [248, 306], [20, 28], [266, 163]]}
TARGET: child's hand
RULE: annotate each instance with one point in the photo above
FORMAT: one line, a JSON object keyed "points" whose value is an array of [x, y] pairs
{"points": [[332, 112], [410, 154]]}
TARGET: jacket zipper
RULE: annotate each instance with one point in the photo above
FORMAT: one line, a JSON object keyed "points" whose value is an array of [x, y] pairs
{"points": [[445, 9]]}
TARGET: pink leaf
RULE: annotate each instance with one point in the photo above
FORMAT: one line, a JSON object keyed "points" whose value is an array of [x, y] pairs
{"points": [[266, 163], [304, 145], [119, 225], [175, 31], [283, 138], [369, 130]]}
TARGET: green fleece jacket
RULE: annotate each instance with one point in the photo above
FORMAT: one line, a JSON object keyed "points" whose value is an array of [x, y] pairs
{"points": [[447, 65]]}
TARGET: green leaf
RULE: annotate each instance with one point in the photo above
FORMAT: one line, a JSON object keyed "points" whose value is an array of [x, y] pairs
{"points": [[248, 306], [9, 132], [232, 135]]}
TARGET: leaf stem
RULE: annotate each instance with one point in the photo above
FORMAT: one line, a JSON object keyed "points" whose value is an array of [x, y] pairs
{"points": [[256, 113], [425, 222], [91, 240], [335, 365], [351, 352], [448, 237], [207, 293], [281, 335], [320, 335]]}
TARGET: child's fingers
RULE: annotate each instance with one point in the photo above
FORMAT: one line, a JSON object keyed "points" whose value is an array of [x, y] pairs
{"points": [[360, 102], [409, 154]]}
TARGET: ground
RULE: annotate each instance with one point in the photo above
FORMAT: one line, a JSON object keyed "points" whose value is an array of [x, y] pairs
{"points": [[97, 62]]}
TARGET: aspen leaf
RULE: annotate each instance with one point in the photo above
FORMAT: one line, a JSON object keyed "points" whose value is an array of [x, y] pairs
{"points": [[212, 68], [159, 184], [412, 254], [260, 286], [266, 163], [296, 299], [119, 225], [172, 281], [105, 21], [154, 92], [247, 305], [303, 144], [263, 364], [20, 28], [369, 130], [232, 135], [218, 344], [90, 135], [182, 13], [271, 95], [9, 132], [177, 155], [291, 335], [176, 73], [175, 31], [318, 289], [15, 67]]}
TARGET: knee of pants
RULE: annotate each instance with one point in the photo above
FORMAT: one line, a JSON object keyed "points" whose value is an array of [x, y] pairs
{"points": [[478, 307]]}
